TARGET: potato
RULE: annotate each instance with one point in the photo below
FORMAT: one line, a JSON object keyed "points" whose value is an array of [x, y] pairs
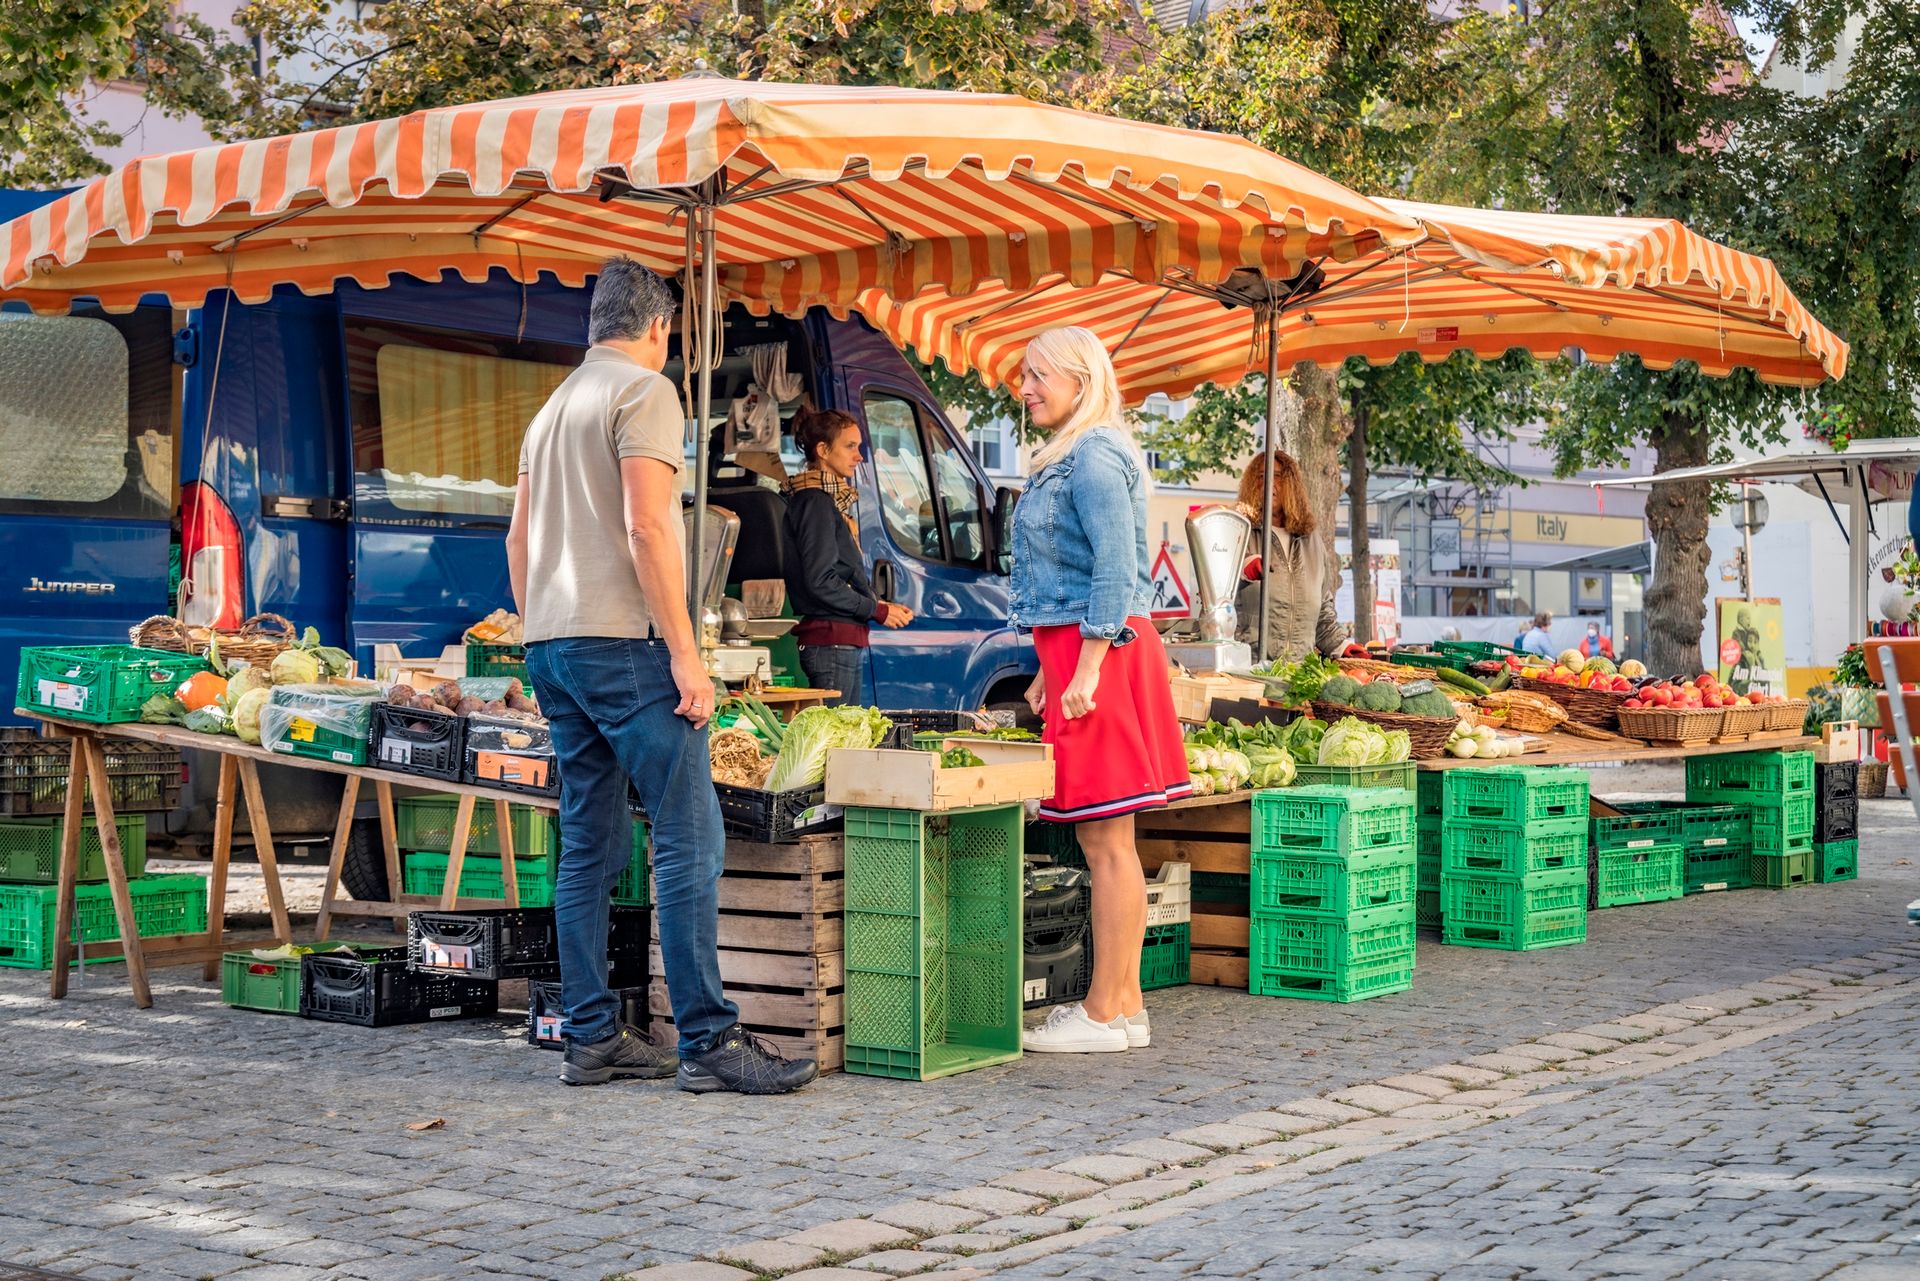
{"points": [[400, 695], [447, 693], [467, 706]]}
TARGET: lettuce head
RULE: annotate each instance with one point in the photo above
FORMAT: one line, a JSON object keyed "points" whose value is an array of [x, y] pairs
{"points": [[817, 731], [1352, 741]]}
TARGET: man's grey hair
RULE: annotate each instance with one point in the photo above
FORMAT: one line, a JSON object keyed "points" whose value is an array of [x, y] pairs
{"points": [[627, 298]]}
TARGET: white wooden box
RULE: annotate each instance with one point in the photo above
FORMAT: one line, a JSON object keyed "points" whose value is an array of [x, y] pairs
{"points": [[880, 778]]}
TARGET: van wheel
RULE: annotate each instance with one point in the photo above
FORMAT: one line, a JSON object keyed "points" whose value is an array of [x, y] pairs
{"points": [[364, 871], [1008, 699]]}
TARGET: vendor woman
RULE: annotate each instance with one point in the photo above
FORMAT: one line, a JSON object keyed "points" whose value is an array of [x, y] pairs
{"points": [[1082, 582], [826, 575]]}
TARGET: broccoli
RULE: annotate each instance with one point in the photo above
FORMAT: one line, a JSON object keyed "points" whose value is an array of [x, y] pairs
{"points": [[1431, 703], [1380, 696], [1339, 690]]}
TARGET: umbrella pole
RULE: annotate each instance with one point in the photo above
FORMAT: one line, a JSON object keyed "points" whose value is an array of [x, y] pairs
{"points": [[1266, 501], [700, 234], [1859, 601]]}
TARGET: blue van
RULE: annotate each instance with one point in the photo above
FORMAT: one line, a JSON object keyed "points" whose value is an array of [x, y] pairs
{"points": [[348, 461]]}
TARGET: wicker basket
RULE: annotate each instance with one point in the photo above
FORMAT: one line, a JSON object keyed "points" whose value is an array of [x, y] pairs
{"points": [[1426, 735], [1521, 716], [258, 641], [1791, 714], [1672, 724], [1598, 708], [1873, 779], [1745, 720]]}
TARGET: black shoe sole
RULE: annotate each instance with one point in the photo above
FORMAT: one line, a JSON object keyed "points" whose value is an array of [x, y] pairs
{"points": [[573, 1074], [697, 1080]]}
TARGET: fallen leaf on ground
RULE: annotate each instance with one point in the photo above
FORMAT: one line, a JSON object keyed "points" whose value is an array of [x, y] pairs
{"points": [[434, 1124]]}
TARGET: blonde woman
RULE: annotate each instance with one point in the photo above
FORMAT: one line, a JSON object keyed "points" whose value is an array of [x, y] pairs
{"points": [[1083, 584]]}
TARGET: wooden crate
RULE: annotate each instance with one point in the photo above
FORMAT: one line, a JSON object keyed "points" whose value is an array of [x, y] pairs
{"points": [[896, 780], [782, 930], [1193, 695], [1212, 838]]}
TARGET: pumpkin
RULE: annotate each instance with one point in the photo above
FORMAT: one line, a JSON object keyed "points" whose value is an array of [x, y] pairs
{"points": [[200, 690]]}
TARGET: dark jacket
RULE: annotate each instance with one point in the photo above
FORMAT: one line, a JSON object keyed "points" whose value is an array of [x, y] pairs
{"points": [[827, 580]]}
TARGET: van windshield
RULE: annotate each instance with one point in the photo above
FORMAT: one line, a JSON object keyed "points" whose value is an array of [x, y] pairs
{"points": [[87, 414], [438, 418]]}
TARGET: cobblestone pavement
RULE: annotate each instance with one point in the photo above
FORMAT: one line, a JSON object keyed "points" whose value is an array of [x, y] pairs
{"points": [[191, 1140]]}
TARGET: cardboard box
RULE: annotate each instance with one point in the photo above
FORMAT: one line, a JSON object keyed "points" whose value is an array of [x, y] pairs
{"points": [[880, 778]]}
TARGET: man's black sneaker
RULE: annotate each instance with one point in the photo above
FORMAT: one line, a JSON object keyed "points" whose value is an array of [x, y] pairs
{"points": [[625, 1055], [744, 1064]]}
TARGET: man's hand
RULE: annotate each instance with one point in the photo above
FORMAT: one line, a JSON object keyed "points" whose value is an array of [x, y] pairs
{"points": [[1077, 700], [896, 615], [1037, 694], [696, 689]]}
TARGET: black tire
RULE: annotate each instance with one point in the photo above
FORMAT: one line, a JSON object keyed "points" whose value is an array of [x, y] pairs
{"points": [[364, 871], [1009, 699]]}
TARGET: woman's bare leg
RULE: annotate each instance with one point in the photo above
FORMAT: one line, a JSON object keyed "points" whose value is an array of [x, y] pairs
{"points": [[1119, 917]]}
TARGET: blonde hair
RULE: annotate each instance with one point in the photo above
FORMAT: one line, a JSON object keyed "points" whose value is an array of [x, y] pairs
{"points": [[1078, 353]]}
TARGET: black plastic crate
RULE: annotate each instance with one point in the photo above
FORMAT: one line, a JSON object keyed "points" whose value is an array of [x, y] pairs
{"points": [[1059, 905], [1837, 782], [413, 740], [513, 943], [513, 755], [545, 1012], [1836, 819], [935, 721], [1057, 975], [141, 777], [377, 989], [750, 814]]}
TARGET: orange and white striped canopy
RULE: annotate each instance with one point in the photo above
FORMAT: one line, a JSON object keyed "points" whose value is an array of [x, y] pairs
{"points": [[823, 195], [1485, 281]]}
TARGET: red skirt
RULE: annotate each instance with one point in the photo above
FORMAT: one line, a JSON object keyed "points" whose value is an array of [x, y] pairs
{"points": [[1128, 753]]}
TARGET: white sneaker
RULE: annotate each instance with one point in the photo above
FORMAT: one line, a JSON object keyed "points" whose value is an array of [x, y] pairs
{"points": [[1139, 1035], [1068, 1030]]}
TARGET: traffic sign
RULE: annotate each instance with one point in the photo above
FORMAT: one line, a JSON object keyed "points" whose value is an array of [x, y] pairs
{"points": [[1170, 598]]}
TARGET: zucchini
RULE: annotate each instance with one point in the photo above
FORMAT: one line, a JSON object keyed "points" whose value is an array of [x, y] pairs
{"points": [[1458, 678], [1500, 682]]}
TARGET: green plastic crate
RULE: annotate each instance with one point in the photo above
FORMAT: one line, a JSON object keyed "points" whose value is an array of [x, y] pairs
{"points": [[487, 659], [934, 928], [1400, 775], [1222, 887], [249, 983], [1426, 872], [1316, 884], [1426, 909], [1501, 849], [1430, 793], [1426, 835], [302, 721], [1377, 977], [1331, 820], [1545, 909], [1328, 945], [1166, 957], [426, 823], [1781, 826], [1475, 651], [1781, 871], [1836, 861], [1642, 875], [99, 684], [162, 905], [1637, 829], [1516, 794], [30, 848], [425, 872], [1738, 776], [1718, 868]]}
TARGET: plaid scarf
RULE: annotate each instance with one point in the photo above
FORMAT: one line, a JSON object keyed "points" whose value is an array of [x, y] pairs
{"points": [[840, 491]]}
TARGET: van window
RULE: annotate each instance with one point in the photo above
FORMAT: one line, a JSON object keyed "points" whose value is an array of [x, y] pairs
{"points": [[87, 414], [929, 505], [438, 418]]}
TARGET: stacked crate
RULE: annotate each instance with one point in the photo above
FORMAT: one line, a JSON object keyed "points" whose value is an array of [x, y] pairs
{"points": [[1776, 789], [1166, 953], [1513, 858], [1716, 841], [1332, 892], [424, 827], [29, 892], [1057, 951], [1836, 821], [1430, 807], [1636, 857]]}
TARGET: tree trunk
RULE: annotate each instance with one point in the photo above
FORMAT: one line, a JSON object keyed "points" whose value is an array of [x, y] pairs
{"points": [[1676, 599], [1319, 429], [1358, 536]]}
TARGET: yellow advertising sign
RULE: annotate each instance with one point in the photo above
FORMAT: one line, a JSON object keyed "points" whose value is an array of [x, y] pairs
{"points": [[1571, 530]]}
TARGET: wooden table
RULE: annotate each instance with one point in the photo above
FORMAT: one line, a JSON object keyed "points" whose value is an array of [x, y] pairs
{"points": [[240, 780], [1567, 749], [788, 701]]}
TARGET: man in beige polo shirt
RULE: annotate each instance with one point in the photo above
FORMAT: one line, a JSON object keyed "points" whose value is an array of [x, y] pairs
{"points": [[598, 561]]}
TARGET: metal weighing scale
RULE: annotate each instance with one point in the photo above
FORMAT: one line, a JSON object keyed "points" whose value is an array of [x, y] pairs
{"points": [[1217, 538]]}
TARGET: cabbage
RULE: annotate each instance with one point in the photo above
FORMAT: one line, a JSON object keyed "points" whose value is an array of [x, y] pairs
{"points": [[1273, 769], [1399, 747], [246, 678], [817, 731], [295, 667], [1353, 741], [246, 714]]}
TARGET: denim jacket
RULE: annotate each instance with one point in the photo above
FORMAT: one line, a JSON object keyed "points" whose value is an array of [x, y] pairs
{"points": [[1080, 542]]}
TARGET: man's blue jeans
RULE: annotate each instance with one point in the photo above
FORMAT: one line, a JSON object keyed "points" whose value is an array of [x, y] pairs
{"points": [[841, 667], [610, 705]]}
